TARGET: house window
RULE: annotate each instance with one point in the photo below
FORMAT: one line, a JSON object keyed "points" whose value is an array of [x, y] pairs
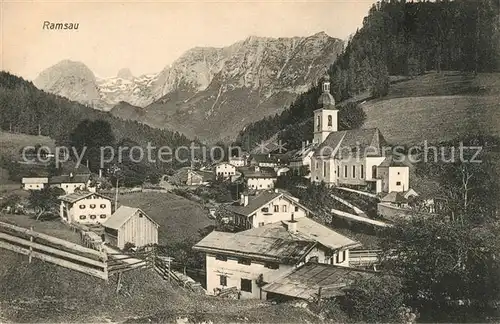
{"points": [[82, 206], [340, 256], [354, 171], [141, 215], [93, 216], [324, 169], [221, 257], [338, 170], [246, 285], [244, 261], [283, 208], [398, 183], [272, 265], [103, 206], [92, 206], [265, 209], [361, 172], [345, 171], [319, 122], [102, 216], [296, 208], [223, 281], [329, 120], [317, 165], [261, 224], [276, 208], [83, 217]]}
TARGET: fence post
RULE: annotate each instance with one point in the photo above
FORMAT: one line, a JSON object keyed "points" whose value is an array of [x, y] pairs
{"points": [[31, 247], [105, 263]]}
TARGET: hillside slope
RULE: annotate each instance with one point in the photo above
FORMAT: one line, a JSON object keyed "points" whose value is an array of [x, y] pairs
{"points": [[437, 107], [42, 292]]}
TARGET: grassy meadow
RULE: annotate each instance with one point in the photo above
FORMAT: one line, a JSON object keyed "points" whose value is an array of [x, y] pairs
{"points": [[437, 107], [179, 218]]}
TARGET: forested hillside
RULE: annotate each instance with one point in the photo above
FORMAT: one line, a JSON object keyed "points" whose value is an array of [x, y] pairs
{"points": [[25, 109], [397, 38]]}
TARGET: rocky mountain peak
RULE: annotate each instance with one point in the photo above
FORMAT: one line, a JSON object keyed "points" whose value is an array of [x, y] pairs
{"points": [[125, 73]]}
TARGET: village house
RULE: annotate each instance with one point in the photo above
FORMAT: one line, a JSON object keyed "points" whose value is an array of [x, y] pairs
{"points": [[249, 259], [34, 183], [356, 157], [71, 182], [130, 225], [84, 208], [300, 162], [237, 161], [264, 160], [186, 176], [259, 178], [225, 170], [265, 207]]}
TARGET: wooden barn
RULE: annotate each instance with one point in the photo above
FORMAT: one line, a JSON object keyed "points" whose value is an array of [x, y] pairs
{"points": [[130, 225]]}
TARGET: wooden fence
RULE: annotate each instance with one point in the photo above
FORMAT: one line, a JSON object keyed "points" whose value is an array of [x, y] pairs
{"points": [[92, 259], [54, 250]]}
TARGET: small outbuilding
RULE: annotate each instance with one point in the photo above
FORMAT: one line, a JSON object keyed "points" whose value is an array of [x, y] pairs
{"points": [[130, 225]]}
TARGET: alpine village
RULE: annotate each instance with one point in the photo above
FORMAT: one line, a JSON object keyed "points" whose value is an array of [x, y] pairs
{"points": [[339, 186]]}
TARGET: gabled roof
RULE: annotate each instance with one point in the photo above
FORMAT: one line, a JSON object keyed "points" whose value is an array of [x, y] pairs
{"points": [[392, 161], [122, 215], [394, 197], [264, 158], [275, 242], [354, 142], [304, 282], [76, 196], [261, 199], [263, 172], [35, 180], [77, 178]]}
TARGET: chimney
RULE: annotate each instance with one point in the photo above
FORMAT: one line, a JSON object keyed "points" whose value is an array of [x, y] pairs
{"points": [[71, 175], [292, 225], [244, 199], [268, 155], [276, 190], [100, 173]]}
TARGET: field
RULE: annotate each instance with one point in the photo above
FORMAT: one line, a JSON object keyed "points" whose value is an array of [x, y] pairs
{"points": [[11, 144], [437, 107], [178, 217]]}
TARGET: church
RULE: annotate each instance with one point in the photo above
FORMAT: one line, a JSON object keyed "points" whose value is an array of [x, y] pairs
{"points": [[354, 158]]}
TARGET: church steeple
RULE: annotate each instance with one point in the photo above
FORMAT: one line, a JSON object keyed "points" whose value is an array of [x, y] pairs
{"points": [[326, 100], [326, 117]]}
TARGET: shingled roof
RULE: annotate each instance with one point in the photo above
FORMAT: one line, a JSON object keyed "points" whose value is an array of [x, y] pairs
{"points": [[304, 282], [79, 195], [356, 142], [122, 215], [275, 242]]}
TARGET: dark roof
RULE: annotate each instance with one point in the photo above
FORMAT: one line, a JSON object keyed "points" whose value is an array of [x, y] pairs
{"points": [[275, 242], [304, 282], [254, 203], [394, 197], [76, 178], [263, 172], [265, 158], [326, 101], [365, 142], [73, 167], [181, 175]]}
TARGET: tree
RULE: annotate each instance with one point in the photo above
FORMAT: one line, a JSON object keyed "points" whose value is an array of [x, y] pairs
{"points": [[449, 270], [374, 300], [89, 137], [45, 199]]}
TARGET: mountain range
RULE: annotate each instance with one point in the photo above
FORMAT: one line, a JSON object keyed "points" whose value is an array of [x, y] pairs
{"points": [[209, 93]]}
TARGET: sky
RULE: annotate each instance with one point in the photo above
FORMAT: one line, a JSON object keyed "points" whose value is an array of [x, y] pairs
{"points": [[147, 36]]}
